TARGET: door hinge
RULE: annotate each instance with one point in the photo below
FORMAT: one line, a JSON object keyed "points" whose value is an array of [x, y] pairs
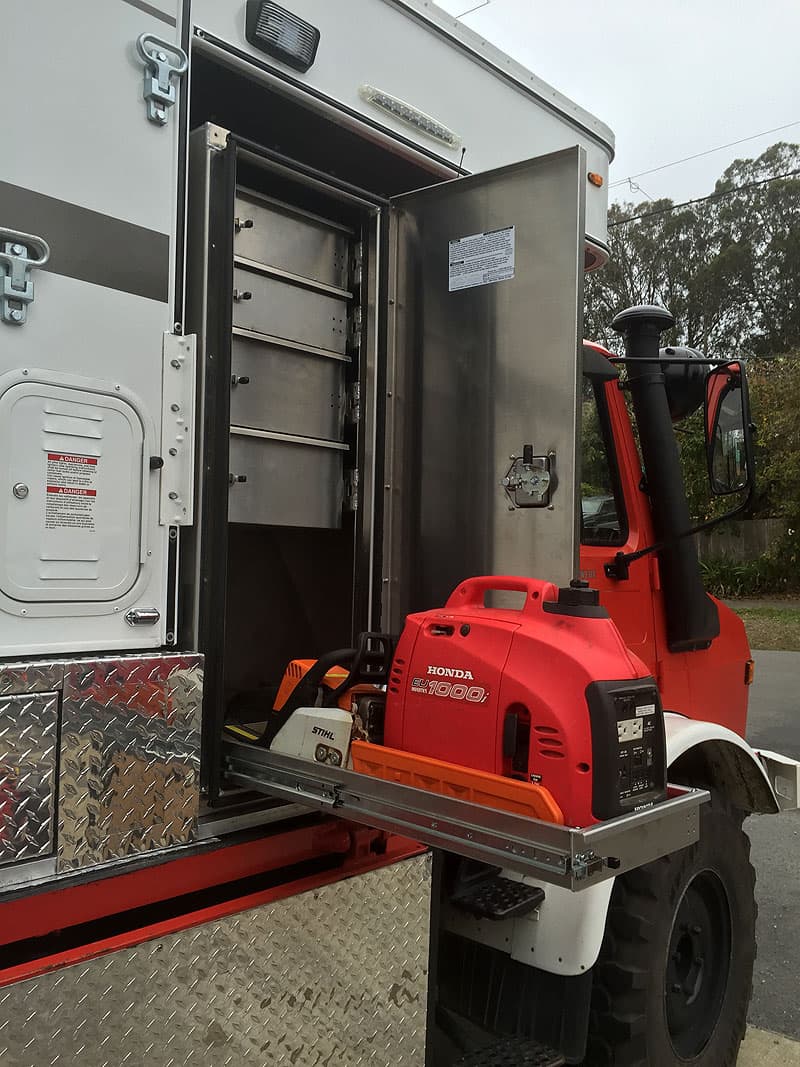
{"points": [[20, 253], [358, 264], [351, 482], [162, 62], [353, 403], [355, 329]]}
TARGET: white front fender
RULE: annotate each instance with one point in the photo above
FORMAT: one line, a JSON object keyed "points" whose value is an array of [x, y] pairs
{"points": [[564, 935]]}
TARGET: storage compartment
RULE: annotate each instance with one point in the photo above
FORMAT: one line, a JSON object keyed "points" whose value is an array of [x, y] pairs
{"points": [[283, 286], [295, 241], [286, 388], [277, 307], [281, 480]]}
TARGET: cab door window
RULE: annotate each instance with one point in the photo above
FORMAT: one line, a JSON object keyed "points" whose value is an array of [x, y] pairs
{"points": [[603, 520]]}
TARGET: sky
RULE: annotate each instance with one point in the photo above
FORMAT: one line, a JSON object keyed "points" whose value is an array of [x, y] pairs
{"points": [[670, 79]]}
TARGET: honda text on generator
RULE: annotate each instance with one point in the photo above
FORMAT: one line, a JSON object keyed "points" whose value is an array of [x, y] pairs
{"points": [[306, 574]]}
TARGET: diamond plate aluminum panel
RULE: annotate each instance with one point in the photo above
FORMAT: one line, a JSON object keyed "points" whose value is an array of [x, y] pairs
{"points": [[28, 736], [32, 676], [130, 757], [336, 977]]}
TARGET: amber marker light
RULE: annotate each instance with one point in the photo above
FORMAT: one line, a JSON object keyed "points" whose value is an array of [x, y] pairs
{"points": [[595, 179], [749, 671]]}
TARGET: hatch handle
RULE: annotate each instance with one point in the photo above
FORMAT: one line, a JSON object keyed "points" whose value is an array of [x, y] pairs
{"points": [[20, 253], [162, 61]]}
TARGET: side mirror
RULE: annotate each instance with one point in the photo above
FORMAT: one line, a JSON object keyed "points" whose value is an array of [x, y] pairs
{"points": [[729, 443]]}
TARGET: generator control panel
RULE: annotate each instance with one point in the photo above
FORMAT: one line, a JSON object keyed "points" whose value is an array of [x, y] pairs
{"points": [[628, 746]]}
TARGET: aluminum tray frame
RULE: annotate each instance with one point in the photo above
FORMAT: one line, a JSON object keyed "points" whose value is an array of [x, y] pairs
{"points": [[571, 857]]}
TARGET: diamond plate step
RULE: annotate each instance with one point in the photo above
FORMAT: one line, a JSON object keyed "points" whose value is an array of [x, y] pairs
{"points": [[498, 898], [512, 1053]]}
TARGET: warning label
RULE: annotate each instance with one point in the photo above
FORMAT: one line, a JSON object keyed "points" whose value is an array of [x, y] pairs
{"points": [[481, 259], [71, 491]]}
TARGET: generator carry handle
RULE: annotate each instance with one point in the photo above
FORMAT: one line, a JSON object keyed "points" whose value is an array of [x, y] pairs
{"points": [[472, 592]]}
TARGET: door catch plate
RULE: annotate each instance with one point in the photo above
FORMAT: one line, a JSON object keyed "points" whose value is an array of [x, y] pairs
{"points": [[20, 253], [530, 480], [163, 61]]}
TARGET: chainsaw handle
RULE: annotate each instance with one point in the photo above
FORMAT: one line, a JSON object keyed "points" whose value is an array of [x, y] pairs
{"points": [[472, 592]]}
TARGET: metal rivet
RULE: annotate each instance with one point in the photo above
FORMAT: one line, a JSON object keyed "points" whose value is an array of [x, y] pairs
{"points": [[174, 407], [176, 363], [20, 490], [173, 451], [173, 496]]}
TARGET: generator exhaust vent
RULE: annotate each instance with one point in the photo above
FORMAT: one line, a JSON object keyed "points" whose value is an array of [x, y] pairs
{"points": [[272, 29]]}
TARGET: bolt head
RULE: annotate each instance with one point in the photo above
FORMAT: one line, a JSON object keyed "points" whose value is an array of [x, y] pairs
{"points": [[176, 363], [162, 56], [174, 407], [17, 250], [173, 496], [16, 315]]}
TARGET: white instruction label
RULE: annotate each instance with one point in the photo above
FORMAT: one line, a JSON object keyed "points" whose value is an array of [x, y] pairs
{"points": [[71, 491], [481, 259], [646, 709]]}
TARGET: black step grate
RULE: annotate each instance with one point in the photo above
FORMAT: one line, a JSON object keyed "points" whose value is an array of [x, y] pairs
{"points": [[498, 898], [512, 1053]]}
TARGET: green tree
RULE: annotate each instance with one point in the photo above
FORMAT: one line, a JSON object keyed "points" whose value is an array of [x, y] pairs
{"points": [[728, 268]]}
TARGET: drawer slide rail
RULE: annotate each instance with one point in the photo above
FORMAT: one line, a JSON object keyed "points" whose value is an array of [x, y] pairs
{"points": [[566, 856]]}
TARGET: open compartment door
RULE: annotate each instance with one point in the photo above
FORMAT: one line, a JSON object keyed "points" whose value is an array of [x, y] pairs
{"points": [[485, 325]]}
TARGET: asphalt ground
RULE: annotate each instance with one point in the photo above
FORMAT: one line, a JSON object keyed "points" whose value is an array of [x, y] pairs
{"points": [[774, 723]]}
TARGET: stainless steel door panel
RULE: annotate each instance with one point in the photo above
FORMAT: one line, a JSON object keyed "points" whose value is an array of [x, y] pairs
{"points": [[289, 481], [286, 390], [282, 309], [291, 240], [478, 373]]}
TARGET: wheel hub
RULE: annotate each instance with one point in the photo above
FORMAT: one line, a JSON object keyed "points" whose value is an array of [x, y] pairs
{"points": [[698, 963]]}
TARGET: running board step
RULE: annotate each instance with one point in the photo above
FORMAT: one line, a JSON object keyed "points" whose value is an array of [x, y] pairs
{"points": [[556, 855], [498, 898], [512, 1053]]}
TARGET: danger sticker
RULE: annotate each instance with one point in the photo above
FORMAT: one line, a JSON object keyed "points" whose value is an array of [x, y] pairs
{"points": [[481, 259], [71, 491]]}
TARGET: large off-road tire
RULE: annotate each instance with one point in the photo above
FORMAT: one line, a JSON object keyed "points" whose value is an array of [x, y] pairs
{"points": [[673, 981]]}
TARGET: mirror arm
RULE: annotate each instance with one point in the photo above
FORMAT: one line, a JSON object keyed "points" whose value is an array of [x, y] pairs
{"points": [[619, 568]]}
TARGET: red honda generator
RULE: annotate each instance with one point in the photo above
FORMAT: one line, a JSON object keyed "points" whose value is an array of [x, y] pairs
{"points": [[538, 708]]}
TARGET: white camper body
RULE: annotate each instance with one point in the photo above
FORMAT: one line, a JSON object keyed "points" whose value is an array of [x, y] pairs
{"points": [[165, 435]]}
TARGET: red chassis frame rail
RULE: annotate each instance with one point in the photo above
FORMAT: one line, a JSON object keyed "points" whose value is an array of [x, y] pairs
{"points": [[41, 914]]}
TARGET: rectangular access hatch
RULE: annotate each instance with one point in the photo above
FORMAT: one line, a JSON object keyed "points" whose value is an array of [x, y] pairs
{"points": [[71, 496]]}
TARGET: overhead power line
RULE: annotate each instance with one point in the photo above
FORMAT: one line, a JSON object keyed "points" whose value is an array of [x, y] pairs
{"points": [[707, 152], [704, 199]]}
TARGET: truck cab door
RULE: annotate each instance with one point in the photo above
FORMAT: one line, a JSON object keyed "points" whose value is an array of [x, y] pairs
{"points": [[615, 517]]}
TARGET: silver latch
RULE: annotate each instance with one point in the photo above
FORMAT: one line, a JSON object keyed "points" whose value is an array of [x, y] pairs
{"points": [[162, 62], [20, 253], [143, 616], [530, 482]]}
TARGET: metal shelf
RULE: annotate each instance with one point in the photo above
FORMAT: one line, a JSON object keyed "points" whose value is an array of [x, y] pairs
{"points": [[559, 855]]}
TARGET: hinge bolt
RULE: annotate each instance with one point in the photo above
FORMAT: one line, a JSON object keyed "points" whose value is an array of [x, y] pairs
{"points": [[16, 315], [17, 250]]}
